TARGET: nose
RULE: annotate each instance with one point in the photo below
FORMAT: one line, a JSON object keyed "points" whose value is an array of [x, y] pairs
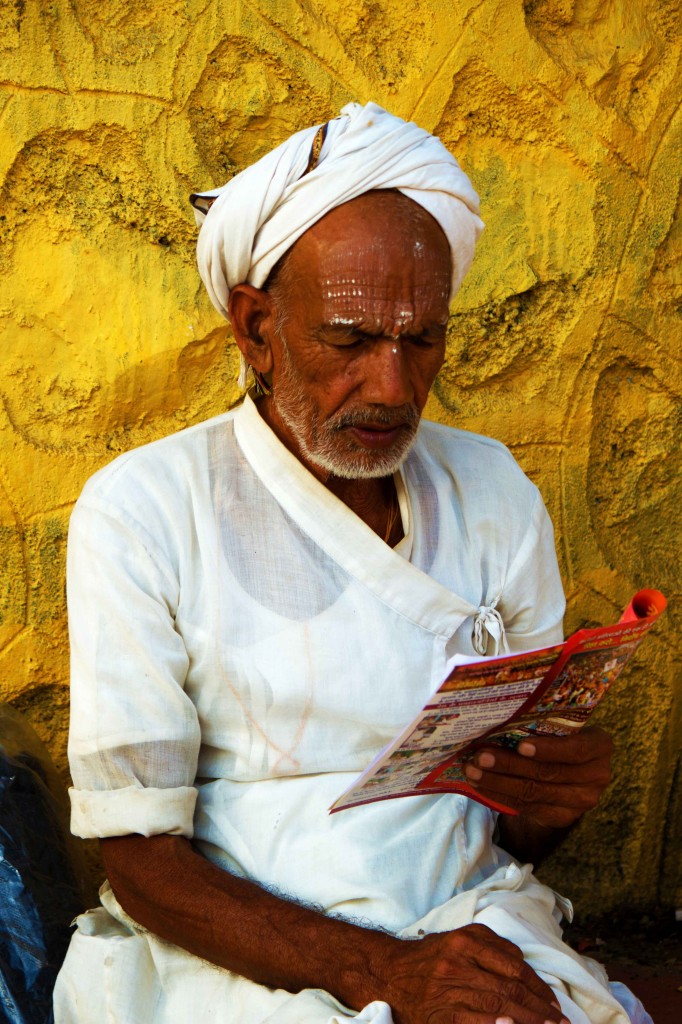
{"points": [[387, 374]]}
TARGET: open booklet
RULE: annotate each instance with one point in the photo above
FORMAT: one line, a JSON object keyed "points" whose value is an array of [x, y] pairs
{"points": [[552, 690]]}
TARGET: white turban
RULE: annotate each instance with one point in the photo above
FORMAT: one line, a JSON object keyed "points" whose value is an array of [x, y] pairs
{"points": [[262, 211]]}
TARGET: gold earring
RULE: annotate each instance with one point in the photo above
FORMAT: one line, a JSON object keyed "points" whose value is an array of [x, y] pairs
{"points": [[262, 389]]}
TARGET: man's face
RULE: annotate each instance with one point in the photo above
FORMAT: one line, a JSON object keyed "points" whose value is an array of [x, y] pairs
{"points": [[363, 307]]}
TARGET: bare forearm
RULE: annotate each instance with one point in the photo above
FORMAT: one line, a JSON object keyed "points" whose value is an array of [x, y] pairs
{"points": [[176, 893], [173, 891], [526, 840]]}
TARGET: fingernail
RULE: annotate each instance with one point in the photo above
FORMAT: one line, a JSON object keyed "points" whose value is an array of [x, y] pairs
{"points": [[473, 773], [504, 1020], [526, 748], [486, 760]]}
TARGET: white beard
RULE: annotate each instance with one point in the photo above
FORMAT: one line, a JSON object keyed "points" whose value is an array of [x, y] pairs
{"points": [[326, 445]]}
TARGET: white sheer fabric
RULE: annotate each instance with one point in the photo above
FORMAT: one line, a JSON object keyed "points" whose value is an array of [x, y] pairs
{"points": [[242, 646]]}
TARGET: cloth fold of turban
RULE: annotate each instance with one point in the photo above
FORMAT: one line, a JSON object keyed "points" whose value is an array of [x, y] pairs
{"points": [[263, 210]]}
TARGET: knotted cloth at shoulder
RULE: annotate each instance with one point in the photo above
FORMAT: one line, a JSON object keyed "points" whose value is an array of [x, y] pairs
{"points": [[262, 211]]}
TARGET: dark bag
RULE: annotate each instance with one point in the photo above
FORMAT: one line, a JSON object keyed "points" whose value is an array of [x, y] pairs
{"points": [[39, 888]]}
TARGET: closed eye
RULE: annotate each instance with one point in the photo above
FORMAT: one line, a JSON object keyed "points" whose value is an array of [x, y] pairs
{"points": [[424, 340], [431, 337], [351, 337], [343, 337]]}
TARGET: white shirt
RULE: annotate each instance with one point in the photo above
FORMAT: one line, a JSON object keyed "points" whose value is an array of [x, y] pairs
{"points": [[243, 645]]}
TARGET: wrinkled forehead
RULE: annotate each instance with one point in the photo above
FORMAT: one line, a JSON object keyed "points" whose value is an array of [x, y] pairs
{"points": [[379, 257], [395, 281], [381, 263]]}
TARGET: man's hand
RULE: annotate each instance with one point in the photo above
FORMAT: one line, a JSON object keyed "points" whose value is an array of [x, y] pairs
{"points": [[467, 976], [550, 780]]}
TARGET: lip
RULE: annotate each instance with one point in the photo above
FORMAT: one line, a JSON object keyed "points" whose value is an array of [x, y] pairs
{"points": [[376, 437]]}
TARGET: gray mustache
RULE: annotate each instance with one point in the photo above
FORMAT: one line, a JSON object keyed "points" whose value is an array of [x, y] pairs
{"points": [[378, 416]]}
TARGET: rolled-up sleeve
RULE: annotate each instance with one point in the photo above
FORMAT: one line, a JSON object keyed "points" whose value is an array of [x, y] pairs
{"points": [[134, 737]]}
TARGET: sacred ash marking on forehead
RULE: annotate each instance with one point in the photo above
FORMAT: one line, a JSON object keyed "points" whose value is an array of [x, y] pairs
{"points": [[366, 297]]}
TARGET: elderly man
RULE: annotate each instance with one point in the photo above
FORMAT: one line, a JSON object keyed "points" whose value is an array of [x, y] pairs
{"points": [[260, 602]]}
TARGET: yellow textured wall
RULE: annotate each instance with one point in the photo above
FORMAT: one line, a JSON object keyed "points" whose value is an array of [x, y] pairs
{"points": [[565, 341]]}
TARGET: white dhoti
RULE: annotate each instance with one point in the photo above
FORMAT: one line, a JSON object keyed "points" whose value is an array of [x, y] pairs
{"points": [[162, 983]]}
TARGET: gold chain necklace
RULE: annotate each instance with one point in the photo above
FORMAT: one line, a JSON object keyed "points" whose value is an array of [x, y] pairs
{"points": [[393, 514]]}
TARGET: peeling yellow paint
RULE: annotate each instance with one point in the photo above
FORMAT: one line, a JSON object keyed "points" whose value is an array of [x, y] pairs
{"points": [[564, 342]]}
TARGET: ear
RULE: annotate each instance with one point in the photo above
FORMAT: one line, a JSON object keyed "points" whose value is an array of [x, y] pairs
{"points": [[251, 315]]}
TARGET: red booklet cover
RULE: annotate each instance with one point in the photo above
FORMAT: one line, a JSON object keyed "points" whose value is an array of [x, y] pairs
{"points": [[552, 690]]}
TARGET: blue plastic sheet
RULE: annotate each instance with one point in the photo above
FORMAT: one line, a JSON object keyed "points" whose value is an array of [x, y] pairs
{"points": [[39, 887]]}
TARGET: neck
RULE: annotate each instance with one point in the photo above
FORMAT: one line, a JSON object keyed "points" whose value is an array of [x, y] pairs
{"points": [[364, 497], [375, 500]]}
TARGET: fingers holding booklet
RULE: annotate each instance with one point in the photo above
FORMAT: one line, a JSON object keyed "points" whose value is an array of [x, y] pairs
{"points": [[551, 780], [516, 720]]}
